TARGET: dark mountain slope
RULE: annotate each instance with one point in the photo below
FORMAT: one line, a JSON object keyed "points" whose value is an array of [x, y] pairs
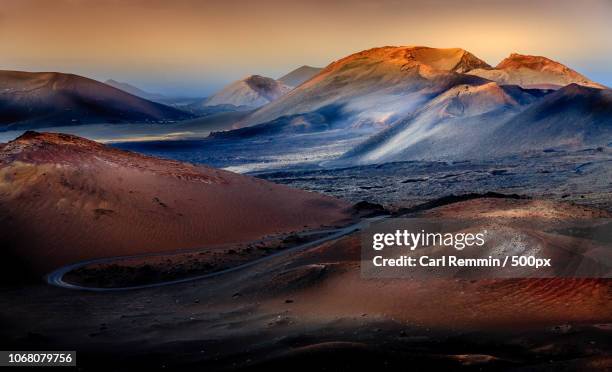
{"points": [[46, 99]]}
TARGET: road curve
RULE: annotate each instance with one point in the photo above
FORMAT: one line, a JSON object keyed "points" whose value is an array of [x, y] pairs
{"points": [[56, 278]]}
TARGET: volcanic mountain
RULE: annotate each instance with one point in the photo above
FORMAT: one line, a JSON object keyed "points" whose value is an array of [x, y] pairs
{"points": [[299, 75], [251, 92], [65, 199], [533, 72], [375, 84], [427, 103], [469, 122], [155, 97]]}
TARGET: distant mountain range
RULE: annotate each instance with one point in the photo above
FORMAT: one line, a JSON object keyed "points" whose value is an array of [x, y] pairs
{"points": [[45, 99], [155, 97], [32, 100], [409, 102], [255, 91], [376, 83], [182, 103], [427, 103]]}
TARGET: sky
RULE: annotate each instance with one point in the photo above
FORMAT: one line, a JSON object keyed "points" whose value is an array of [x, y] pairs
{"points": [[194, 47]]}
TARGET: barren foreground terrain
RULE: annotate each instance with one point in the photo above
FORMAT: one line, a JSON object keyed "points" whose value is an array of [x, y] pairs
{"points": [[311, 306]]}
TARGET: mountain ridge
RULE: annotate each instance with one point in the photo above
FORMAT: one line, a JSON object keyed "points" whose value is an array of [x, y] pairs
{"points": [[299, 75]]}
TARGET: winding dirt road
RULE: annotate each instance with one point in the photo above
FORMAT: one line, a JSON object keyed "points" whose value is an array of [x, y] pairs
{"points": [[56, 278]]}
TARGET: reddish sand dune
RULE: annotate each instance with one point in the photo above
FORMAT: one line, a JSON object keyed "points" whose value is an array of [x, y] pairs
{"points": [[64, 198]]}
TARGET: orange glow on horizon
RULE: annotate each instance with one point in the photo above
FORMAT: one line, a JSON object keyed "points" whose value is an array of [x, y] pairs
{"points": [[202, 45]]}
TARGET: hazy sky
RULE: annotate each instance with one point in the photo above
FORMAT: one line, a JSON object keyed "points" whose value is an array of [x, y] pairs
{"points": [[188, 47]]}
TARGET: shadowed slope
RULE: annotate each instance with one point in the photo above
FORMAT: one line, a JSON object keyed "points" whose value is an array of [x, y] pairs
{"points": [[573, 116], [455, 120], [36, 99], [469, 122]]}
